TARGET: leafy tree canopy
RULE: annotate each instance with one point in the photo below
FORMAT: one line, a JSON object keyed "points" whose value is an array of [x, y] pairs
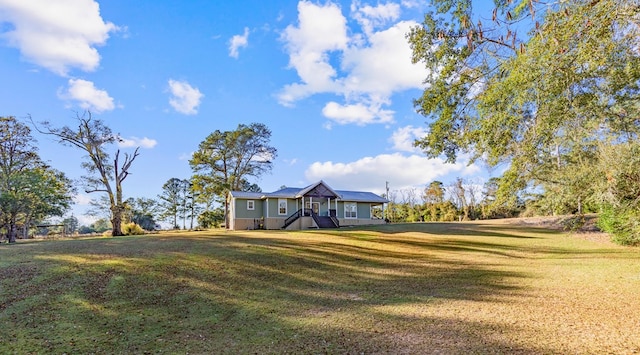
{"points": [[572, 79], [226, 160], [29, 189], [541, 86]]}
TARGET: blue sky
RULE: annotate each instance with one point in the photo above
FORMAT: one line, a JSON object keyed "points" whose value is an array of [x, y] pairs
{"points": [[332, 80]]}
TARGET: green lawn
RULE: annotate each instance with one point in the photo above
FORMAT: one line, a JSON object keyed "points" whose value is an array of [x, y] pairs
{"points": [[412, 288]]}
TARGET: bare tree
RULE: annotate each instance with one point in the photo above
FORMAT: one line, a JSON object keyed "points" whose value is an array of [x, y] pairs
{"points": [[104, 175], [409, 196], [458, 195]]}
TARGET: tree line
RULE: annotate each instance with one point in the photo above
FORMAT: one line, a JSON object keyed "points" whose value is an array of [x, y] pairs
{"points": [[461, 200], [32, 192]]}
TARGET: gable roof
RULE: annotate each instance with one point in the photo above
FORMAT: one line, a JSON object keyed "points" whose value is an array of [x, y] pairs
{"points": [[319, 188]]}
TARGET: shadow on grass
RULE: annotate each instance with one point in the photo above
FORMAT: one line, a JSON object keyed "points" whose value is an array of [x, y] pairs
{"points": [[464, 229], [480, 238], [233, 293]]}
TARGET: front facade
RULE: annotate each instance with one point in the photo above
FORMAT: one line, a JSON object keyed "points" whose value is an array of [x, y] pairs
{"points": [[314, 206]]}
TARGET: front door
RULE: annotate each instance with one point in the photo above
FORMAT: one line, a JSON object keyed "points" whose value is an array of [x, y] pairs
{"points": [[315, 206]]}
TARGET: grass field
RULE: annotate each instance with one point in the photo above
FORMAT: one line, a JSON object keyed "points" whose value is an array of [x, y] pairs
{"points": [[453, 288]]}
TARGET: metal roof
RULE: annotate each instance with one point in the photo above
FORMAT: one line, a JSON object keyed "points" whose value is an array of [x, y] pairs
{"points": [[361, 196], [245, 194], [296, 192]]}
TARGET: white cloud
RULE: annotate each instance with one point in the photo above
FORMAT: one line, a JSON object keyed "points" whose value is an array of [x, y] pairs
{"points": [[358, 113], [321, 30], [237, 42], [411, 3], [371, 17], [404, 137], [384, 66], [87, 96], [185, 98], [57, 35], [82, 200], [86, 220], [371, 173], [366, 69], [137, 142]]}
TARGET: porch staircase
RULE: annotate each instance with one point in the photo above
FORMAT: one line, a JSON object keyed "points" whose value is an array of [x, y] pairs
{"points": [[321, 221], [325, 222]]}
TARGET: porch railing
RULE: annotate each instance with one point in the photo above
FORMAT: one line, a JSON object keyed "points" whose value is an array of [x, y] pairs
{"points": [[309, 212], [297, 214]]}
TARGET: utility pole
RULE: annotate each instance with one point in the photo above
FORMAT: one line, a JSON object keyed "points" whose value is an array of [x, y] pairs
{"points": [[387, 197]]}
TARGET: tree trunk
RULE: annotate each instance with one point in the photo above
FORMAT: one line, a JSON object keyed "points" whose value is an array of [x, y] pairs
{"points": [[192, 213], [579, 205], [116, 221], [175, 220], [12, 230], [226, 213]]}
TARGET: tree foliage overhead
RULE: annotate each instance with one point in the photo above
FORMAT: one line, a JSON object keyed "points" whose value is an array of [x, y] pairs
{"points": [[542, 86], [104, 174], [491, 92]]}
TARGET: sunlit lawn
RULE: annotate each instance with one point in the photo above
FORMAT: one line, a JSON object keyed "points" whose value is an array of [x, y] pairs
{"points": [[413, 288]]}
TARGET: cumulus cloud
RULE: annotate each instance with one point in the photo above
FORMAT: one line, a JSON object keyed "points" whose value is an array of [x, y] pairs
{"points": [[404, 137], [371, 17], [81, 199], [184, 98], [136, 142], [384, 66], [87, 96], [371, 173], [321, 30], [86, 220], [237, 42], [56, 35], [411, 3], [366, 68], [359, 113]]}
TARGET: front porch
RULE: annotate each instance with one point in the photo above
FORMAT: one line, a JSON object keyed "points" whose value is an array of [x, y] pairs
{"points": [[308, 218]]}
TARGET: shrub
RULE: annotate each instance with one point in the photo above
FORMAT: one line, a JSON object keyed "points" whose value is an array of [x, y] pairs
{"points": [[622, 222], [619, 188], [211, 219], [132, 229]]}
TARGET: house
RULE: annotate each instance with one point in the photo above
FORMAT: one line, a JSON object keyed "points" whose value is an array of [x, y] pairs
{"points": [[314, 206]]}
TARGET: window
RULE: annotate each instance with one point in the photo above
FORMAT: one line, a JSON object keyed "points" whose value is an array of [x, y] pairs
{"points": [[251, 204], [282, 206], [350, 210]]}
